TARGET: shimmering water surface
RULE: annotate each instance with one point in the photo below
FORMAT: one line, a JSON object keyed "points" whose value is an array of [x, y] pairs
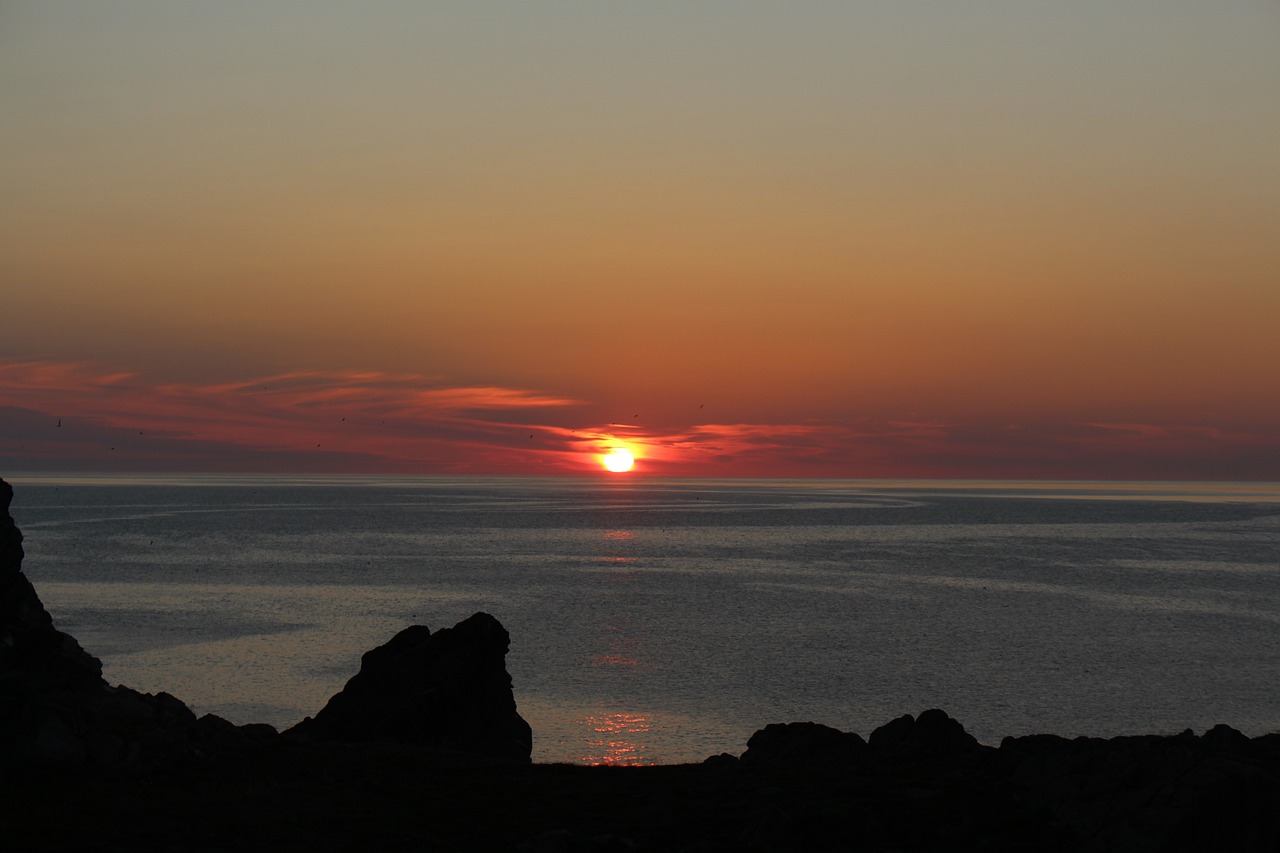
{"points": [[666, 621]]}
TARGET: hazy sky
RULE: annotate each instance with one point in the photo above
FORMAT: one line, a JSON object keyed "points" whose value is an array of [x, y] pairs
{"points": [[845, 239]]}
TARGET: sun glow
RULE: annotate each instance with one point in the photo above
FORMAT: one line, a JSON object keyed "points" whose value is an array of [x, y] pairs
{"points": [[618, 460]]}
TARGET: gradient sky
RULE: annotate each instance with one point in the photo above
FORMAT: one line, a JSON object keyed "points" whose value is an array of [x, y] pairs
{"points": [[832, 239]]}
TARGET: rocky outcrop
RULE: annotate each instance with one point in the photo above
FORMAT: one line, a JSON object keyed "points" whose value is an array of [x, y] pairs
{"points": [[33, 654], [933, 735], [45, 677], [925, 783], [449, 690], [55, 706], [801, 743], [1219, 791]]}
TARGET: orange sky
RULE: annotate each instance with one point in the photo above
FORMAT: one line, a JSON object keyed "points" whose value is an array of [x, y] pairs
{"points": [[833, 240]]}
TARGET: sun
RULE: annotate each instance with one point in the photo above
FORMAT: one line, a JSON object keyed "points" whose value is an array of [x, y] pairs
{"points": [[618, 460]]}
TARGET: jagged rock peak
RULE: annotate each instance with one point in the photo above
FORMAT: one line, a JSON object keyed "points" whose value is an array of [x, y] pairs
{"points": [[450, 689]]}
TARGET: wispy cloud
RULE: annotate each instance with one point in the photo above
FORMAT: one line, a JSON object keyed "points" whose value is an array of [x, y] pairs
{"points": [[347, 418], [82, 416]]}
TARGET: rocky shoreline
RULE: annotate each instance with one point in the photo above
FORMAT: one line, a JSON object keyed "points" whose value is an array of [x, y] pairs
{"points": [[424, 750]]}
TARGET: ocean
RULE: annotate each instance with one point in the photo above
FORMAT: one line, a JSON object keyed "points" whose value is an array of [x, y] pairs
{"points": [[665, 621]]}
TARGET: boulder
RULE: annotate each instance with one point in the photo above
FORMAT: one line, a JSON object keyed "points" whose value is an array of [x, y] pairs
{"points": [[932, 735], [801, 743], [448, 690]]}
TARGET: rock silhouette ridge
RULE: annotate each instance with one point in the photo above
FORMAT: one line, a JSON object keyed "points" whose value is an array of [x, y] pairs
{"points": [[450, 691]]}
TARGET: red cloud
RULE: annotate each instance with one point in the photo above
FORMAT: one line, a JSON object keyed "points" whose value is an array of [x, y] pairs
{"points": [[370, 422], [344, 419]]}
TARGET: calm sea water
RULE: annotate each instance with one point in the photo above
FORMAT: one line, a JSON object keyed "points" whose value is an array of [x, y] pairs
{"points": [[666, 621]]}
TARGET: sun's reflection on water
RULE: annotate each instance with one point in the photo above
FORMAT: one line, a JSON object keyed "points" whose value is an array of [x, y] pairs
{"points": [[621, 651], [616, 542], [617, 739]]}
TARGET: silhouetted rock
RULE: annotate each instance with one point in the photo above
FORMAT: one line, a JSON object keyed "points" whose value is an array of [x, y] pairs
{"points": [[55, 707], [33, 654], [932, 735], [722, 761], [1223, 738], [449, 690], [801, 743], [45, 677], [1220, 791]]}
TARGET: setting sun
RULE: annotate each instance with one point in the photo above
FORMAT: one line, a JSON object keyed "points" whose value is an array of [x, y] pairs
{"points": [[618, 461]]}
